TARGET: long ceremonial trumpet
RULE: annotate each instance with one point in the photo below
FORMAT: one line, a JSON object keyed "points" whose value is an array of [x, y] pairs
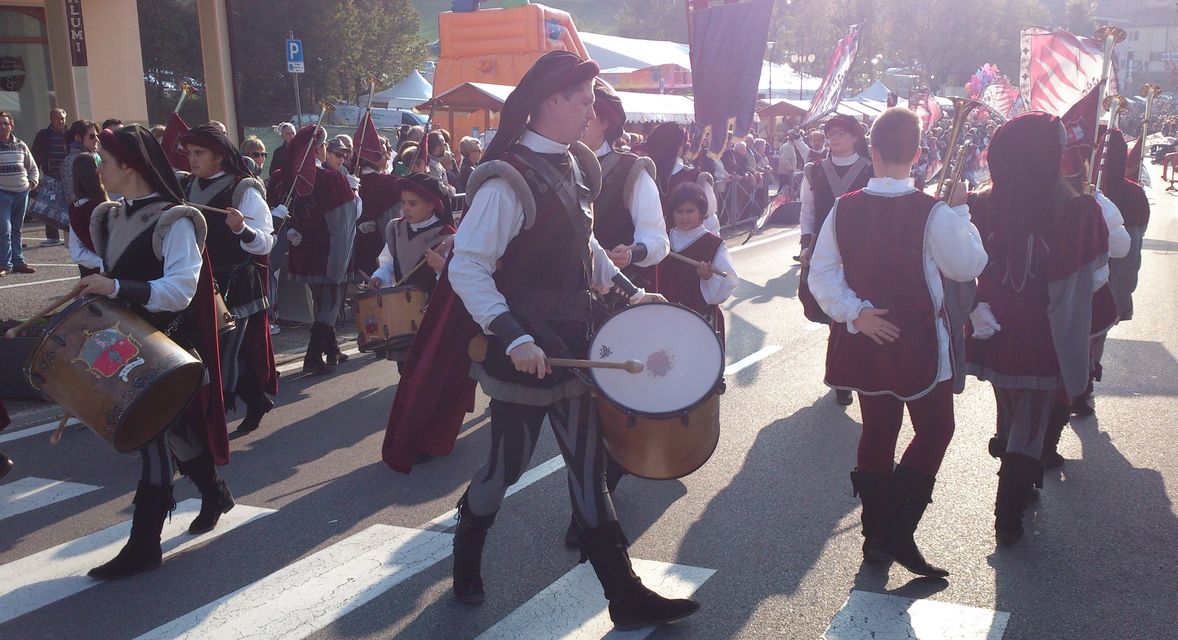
{"points": [[1112, 36]]}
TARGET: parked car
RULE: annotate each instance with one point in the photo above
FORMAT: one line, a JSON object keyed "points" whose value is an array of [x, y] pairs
{"points": [[1158, 152]]}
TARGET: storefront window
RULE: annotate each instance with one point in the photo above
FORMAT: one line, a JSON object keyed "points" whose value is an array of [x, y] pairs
{"points": [[26, 85]]}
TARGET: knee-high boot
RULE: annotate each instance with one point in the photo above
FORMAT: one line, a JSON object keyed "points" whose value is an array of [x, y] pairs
{"points": [[313, 360], [631, 604], [469, 539], [1056, 421], [331, 347], [911, 493], [873, 491], [142, 551], [1017, 478], [215, 498]]}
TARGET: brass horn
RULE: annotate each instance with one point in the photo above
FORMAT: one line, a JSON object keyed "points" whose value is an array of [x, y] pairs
{"points": [[962, 107], [1149, 91], [1115, 105], [1111, 36]]}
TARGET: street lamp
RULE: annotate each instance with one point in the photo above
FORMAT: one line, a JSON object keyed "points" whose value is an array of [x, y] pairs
{"points": [[771, 44], [798, 59]]}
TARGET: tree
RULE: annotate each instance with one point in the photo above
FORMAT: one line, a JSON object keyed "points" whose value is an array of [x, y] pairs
{"points": [[169, 34], [653, 20], [1079, 17]]}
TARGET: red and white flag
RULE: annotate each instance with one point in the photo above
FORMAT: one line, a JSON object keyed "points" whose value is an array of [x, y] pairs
{"points": [[1000, 97], [175, 128], [830, 92], [927, 110], [1059, 68]]}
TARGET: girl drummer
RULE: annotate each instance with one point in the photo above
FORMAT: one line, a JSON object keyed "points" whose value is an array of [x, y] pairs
{"points": [[699, 288], [414, 237]]}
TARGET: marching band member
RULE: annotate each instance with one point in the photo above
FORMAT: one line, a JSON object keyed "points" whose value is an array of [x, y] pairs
{"points": [[1033, 319], [153, 255], [1131, 200], [700, 288], [87, 185], [322, 228], [238, 245], [379, 208], [524, 263], [666, 146], [414, 237], [846, 169], [876, 270], [627, 215]]}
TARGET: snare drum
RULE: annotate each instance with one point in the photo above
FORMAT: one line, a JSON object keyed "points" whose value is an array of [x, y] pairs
{"points": [[114, 371], [663, 423], [388, 318]]}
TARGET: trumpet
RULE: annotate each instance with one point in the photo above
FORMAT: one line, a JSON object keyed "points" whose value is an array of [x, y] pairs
{"points": [[1115, 105], [1149, 91], [962, 107], [1112, 36]]}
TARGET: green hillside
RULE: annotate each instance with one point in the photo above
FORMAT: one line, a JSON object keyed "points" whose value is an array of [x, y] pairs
{"points": [[589, 15]]}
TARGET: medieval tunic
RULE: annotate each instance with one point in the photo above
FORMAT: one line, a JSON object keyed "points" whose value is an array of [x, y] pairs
{"points": [[1043, 315], [888, 246], [405, 247], [326, 220], [825, 181], [682, 283], [628, 211], [548, 262], [379, 207]]}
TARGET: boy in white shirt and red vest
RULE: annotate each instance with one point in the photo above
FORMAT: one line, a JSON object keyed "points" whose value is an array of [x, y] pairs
{"points": [[876, 271]]}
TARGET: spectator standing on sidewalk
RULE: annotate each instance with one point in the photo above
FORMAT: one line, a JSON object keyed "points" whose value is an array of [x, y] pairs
{"points": [[18, 176]]}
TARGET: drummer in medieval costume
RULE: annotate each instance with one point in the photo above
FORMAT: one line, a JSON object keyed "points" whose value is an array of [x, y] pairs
{"points": [[877, 271], [666, 146], [524, 265], [846, 169], [153, 257], [414, 251], [627, 214], [322, 227], [699, 288], [238, 244], [380, 205]]}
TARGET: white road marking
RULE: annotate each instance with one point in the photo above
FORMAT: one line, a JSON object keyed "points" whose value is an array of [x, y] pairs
{"points": [[37, 282], [32, 431], [45, 577], [531, 476], [52, 264], [878, 616], [310, 594], [757, 243], [744, 363], [28, 494], [574, 608]]}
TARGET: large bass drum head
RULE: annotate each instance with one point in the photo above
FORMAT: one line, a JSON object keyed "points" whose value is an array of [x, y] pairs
{"points": [[681, 356]]}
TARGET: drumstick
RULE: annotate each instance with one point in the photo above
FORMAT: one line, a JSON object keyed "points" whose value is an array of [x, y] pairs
{"points": [[695, 263], [630, 366], [56, 437], [446, 243], [209, 209], [15, 331]]}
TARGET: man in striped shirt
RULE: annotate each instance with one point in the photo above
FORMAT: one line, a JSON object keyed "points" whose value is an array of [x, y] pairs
{"points": [[50, 148], [18, 176]]}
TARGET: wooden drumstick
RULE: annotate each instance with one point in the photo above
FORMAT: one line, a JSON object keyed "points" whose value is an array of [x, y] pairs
{"points": [[444, 245], [56, 304], [208, 209], [695, 263], [629, 366], [56, 437]]}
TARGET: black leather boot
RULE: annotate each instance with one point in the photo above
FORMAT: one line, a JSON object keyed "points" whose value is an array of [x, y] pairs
{"points": [[255, 409], [1083, 405], [215, 498], [872, 489], [313, 360], [5, 465], [911, 493], [1016, 487], [142, 551], [331, 347], [469, 538], [843, 397], [631, 604], [1057, 419]]}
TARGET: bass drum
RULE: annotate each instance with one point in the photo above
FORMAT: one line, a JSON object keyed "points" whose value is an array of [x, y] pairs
{"points": [[388, 318], [663, 423], [114, 371]]}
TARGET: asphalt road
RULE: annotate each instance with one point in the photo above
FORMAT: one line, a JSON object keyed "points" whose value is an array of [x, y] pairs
{"points": [[766, 533]]}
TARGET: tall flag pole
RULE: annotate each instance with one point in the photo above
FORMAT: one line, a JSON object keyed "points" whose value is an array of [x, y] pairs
{"points": [[830, 92]]}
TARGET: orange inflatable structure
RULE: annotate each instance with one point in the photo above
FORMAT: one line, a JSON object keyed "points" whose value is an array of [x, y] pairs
{"points": [[496, 46]]}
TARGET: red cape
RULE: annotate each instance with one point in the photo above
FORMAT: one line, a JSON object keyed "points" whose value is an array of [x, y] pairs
{"points": [[377, 194], [208, 407], [257, 347], [436, 390]]}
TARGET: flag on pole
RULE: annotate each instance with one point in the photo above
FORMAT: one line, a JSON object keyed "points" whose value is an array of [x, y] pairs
{"points": [[1080, 122], [175, 128], [367, 142], [928, 110], [727, 43], [1059, 69], [830, 92], [1000, 97]]}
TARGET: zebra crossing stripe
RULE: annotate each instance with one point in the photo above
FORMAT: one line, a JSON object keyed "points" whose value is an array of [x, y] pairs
{"points": [[537, 473], [28, 494], [880, 616], [574, 608], [310, 594], [45, 577]]}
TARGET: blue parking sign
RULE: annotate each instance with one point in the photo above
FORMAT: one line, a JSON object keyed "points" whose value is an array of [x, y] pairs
{"points": [[294, 56]]}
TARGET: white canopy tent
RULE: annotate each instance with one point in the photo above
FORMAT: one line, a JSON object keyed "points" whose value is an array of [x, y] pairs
{"points": [[406, 94]]}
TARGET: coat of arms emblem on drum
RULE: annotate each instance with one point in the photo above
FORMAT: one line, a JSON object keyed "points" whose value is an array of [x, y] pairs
{"points": [[107, 352]]}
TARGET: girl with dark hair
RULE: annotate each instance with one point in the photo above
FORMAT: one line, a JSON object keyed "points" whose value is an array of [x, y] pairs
{"points": [[699, 288], [87, 186]]}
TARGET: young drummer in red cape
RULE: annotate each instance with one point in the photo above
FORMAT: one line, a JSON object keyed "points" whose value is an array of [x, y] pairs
{"points": [[152, 249], [1033, 322], [700, 288], [1130, 198], [877, 271]]}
